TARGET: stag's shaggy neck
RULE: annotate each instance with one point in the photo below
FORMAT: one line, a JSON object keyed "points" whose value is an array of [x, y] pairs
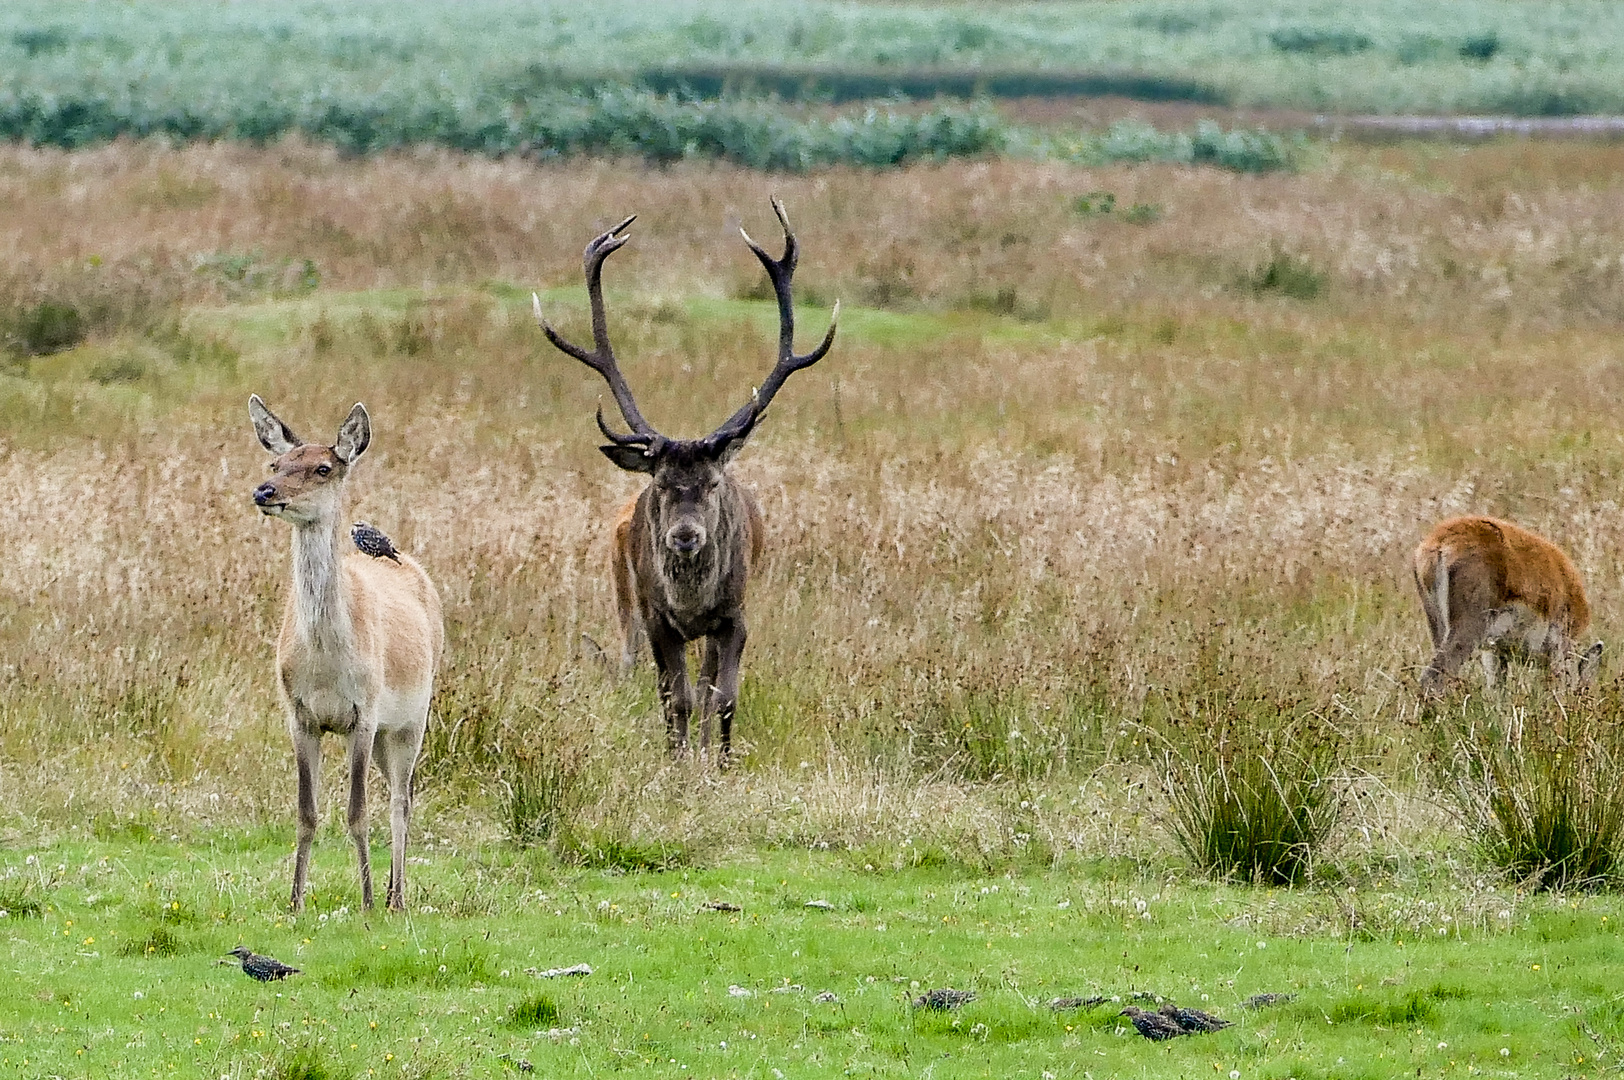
{"points": [[321, 616]]}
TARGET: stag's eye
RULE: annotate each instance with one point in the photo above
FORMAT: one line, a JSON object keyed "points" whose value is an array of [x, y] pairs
{"points": [[323, 470]]}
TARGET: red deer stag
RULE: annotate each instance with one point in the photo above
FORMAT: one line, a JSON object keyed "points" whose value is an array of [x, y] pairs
{"points": [[361, 639], [1491, 585], [683, 551]]}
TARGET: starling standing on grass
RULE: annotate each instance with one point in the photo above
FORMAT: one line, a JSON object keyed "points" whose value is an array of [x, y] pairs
{"points": [[1263, 1001], [372, 541], [1153, 1026], [262, 968], [1193, 1021], [943, 999]]}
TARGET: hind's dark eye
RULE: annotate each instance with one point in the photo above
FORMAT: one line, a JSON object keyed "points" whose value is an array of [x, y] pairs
{"points": [[323, 470]]}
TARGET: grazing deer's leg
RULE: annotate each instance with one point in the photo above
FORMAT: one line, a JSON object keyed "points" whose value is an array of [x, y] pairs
{"points": [[1491, 661], [307, 758], [730, 649], [360, 761], [676, 695], [1466, 636]]}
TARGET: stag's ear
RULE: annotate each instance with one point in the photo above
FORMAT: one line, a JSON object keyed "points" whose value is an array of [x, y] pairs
{"points": [[630, 458], [354, 435], [730, 447], [274, 435]]}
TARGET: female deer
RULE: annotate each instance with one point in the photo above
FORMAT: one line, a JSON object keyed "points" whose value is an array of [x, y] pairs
{"points": [[360, 643], [1488, 584]]}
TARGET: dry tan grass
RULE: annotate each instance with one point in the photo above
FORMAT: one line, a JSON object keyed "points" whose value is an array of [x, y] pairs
{"points": [[980, 525]]}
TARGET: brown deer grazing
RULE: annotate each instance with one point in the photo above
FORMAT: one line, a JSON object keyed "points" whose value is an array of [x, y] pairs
{"points": [[683, 551], [361, 639], [1491, 585]]}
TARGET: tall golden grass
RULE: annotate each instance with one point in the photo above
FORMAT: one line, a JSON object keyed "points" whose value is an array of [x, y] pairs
{"points": [[1057, 462]]}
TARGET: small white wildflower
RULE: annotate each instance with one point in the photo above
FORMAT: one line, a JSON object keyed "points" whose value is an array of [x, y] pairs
{"points": [[1263, 944], [138, 995], [1505, 1051], [1443, 1046]]}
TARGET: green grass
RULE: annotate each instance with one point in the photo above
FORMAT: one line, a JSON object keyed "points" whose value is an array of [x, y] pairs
{"points": [[1433, 974]]}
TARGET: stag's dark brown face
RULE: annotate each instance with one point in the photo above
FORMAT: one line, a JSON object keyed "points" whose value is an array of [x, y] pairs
{"points": [[686, 495]]}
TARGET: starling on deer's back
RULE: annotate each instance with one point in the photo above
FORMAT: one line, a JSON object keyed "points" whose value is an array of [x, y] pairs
{"points": [[1153, 1026], [372, 541], [262, 968]]}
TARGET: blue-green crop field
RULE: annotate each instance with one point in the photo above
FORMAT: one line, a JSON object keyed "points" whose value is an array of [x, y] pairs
{"points": [[669, 80]]}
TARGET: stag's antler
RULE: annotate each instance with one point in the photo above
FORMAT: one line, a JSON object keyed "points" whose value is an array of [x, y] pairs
{"points": [[602, 357], [781, 272]]}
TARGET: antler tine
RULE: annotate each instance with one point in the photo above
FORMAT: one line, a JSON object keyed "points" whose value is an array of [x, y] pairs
{"points": [[602, 357], [651, 443], [781, 272]]}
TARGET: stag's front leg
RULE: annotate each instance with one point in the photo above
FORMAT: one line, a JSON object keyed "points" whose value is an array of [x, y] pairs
{"points": [[360, 761], [307, 759], [727, 645], [676, 695]]}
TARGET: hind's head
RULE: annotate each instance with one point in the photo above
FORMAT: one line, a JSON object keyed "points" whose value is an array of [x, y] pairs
{"points": [[306, 478]]}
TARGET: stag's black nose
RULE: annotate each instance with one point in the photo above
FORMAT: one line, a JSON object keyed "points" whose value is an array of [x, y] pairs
{"points": [[264, 494], [685, 539]]}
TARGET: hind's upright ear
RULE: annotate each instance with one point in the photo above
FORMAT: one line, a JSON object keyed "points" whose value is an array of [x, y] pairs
{"points": [[354, 435], [274, 435]]}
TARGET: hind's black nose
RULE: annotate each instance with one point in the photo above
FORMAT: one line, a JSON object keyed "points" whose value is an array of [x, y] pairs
{"points": [[264, 494]]}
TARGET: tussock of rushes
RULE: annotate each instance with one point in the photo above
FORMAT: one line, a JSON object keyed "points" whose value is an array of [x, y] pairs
{"points": [[1252, 779], [1537, 780]]}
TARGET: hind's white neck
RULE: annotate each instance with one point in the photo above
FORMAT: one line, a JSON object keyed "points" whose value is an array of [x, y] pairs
{"points": [[321, 615]]}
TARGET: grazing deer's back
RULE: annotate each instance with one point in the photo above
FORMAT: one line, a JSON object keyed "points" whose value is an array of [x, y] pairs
{"points": [[1521, 567]]}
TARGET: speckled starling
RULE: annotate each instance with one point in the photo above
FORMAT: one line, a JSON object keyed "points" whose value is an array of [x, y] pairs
{"points": [[371, 541], [263, 968], [1263, 1001], [1193, 1021], [1062, 1004], [1153, 1026], [943, 999]]}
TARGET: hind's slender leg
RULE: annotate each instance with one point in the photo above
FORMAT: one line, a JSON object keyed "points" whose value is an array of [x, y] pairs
{"points": [[307, 759]]}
